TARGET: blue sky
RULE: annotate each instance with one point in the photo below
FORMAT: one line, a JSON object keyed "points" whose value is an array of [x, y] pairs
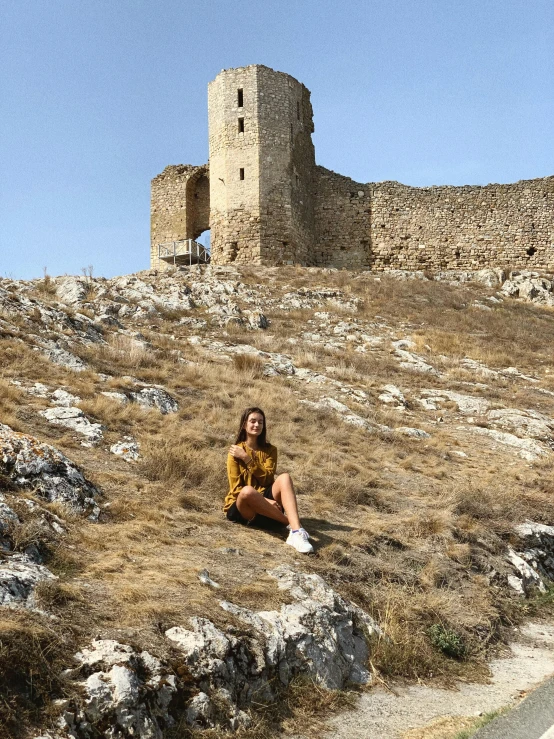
{"points": [[97, 97]]}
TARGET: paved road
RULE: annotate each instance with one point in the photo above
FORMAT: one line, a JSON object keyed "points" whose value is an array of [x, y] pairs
{"points": [[533, 718]]}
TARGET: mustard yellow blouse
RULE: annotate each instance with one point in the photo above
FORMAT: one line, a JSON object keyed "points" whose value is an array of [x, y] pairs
{"points": [[260, 473]]}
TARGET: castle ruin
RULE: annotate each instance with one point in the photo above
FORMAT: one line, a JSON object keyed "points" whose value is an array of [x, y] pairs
{"points": [[266, 201]]}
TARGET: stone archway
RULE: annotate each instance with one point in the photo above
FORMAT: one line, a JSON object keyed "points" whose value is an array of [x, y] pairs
{"points": [[198, 203]]}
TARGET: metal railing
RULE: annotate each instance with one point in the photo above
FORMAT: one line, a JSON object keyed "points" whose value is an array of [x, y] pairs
{"points": [[183, 252]]}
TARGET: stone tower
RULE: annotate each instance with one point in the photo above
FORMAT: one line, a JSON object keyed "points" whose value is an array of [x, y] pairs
{"points": [[262, 165]]}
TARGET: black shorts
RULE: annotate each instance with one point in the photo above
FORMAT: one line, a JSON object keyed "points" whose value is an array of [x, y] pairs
{"points": [[259, 521]]}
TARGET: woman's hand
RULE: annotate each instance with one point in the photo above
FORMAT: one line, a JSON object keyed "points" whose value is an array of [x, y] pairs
{"points": [[277, 505], [238, 452]]}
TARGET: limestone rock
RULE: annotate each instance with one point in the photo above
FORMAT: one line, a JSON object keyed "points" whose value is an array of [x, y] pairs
{"points": [[413, 432], [46, 471], [72, 290], [529, 286], [346, 415], [7, 516], [39, 390], [528, 449], [523, 423], [538, 548], [155, 396], [320, 635], [478, 367], [392, 395], [74, 419], [19, 576], [488, 277], [63, 398], [255, 319], [126, 694], [410, 361], [434, 399], [59, 355], [119, 397], [205, 579], [127, 448], [528, 575]]}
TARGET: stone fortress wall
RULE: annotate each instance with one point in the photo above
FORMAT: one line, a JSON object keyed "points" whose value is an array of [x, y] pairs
{"points": [[179, 205], [266, 202]]}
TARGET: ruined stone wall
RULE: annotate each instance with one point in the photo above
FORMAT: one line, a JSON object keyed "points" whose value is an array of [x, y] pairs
{"points": [[267, 203], [387, 225], [463, 227], [342, 221], [179, 206]]}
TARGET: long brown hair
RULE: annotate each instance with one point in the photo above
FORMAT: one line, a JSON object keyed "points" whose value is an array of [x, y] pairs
{"points": [[241, 435]]}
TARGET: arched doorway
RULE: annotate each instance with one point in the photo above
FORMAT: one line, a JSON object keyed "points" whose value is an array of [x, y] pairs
{"points": [[204, 239]]}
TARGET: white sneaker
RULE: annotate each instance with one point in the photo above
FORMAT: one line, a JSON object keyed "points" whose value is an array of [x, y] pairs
{"points": [[299, 540]]}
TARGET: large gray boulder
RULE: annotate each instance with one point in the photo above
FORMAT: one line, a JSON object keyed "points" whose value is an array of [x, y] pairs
{"points": [[529, 286], [47, 472], [319, 634]]}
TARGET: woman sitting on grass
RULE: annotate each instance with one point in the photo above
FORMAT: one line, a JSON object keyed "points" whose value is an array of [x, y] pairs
{"points": [[255, 496]]}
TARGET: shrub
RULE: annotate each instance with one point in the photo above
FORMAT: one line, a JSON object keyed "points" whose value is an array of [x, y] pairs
{"points": [[447, 640]]}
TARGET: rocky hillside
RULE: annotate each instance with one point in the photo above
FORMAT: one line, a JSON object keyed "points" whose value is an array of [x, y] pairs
{"points": [[416, 416]]}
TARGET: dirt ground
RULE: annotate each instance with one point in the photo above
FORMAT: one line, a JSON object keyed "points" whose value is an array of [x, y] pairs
{"points": [[424, 712]]}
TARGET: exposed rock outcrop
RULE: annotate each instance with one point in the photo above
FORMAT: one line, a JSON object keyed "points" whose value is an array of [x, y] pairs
{"points": [[534, 562], [44, 470], [126, 694], [320, 635]]}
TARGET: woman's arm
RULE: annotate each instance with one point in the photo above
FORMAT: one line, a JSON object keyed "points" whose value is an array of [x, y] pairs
{"points": [[263, 471], [235, 473]]}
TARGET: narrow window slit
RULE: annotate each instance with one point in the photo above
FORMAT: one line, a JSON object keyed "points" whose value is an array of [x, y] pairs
{"points": [[241, 125], [241, 173], [240, 97]]}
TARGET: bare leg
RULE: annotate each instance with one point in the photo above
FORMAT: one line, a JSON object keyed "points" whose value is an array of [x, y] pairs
{"points": [[250, 502], [283, 493]]}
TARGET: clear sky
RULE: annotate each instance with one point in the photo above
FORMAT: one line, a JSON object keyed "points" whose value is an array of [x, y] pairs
{"points": [[98, 96]]}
